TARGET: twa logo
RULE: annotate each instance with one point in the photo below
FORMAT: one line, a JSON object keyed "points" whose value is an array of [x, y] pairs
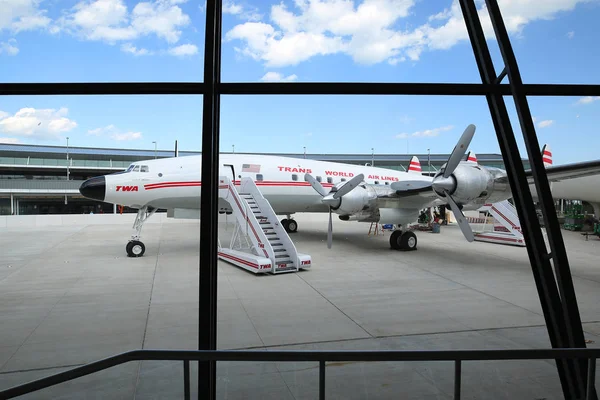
{"points": [[127, 188]]}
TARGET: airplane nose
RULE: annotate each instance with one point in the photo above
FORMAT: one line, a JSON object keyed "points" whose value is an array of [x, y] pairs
{"points": [[94, 188]]}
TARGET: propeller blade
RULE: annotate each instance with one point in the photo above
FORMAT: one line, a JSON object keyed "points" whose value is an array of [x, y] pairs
{"points": [[459, 150], [348, 186], [460, 217], [330, 231], [409, 185], [315, 184]]}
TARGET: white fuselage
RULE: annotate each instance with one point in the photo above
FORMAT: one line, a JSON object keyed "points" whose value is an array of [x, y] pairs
{"points": [[176, 182]]}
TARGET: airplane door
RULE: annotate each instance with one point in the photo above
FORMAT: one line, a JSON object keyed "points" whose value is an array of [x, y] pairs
{"points": [[232, 169]]}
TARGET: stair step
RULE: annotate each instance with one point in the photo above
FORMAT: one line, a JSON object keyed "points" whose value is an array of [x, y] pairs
{"points": [[276, 244], [278, 250], [282, 256], [271, 238]]}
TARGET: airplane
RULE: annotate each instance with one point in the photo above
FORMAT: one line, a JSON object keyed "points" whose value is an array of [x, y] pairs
{"points": [[583, 188], [293, 185]]}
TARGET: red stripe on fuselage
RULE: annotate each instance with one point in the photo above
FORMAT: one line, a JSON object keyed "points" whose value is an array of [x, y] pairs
{"points": [[258, 183]]}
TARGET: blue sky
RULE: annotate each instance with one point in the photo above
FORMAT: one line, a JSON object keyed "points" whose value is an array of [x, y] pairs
{"points": [[301, 40]]}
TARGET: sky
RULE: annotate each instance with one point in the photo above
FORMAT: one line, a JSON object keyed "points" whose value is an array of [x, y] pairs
{"points": [[555, 41]]}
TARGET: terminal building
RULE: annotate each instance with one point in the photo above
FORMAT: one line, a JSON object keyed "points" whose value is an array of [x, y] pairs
{"points": [[38, 179]]}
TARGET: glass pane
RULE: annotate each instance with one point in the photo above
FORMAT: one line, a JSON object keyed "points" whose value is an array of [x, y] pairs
{"points": [[85, 297], [409, 41], [103, 41], [560, 36]]}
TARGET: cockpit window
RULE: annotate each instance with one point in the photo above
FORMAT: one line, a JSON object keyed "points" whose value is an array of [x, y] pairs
{"points": [[144, 168], [130, 168], [136, 169]]}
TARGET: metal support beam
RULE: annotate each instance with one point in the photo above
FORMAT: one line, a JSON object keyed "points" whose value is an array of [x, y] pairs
{"points": [[558, 253], [561, 328], [207, 312]]}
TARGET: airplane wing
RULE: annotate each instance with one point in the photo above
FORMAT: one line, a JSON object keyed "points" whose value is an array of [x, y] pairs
{"points": [[568, 171]]}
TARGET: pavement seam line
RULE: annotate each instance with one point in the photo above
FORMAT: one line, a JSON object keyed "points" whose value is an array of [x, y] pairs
{"points": [[336, 307], [139, 368]]}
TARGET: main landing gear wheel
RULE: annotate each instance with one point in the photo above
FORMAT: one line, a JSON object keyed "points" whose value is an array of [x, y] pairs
{"points": [[403, 240], [289, 225], [135, 248]]}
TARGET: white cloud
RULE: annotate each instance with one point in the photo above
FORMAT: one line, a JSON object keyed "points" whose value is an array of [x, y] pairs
{"points": [[425, 133], [184, 50], [7, 140], [22, 15], [130, 48], [278, 77], [229, 7], [243, 12], [127, 136], [37, 123], [545, 123], [571, 34], [111, 21], [9, 47], [588, 99], [369, 31], [114, 133]]}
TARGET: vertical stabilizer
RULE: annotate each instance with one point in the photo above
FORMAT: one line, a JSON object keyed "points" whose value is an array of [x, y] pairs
{"points": [[547, 156], [471, 158], [414, 166]]}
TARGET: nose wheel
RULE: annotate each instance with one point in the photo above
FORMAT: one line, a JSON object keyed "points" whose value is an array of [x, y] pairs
{"points": [[135, 248]]}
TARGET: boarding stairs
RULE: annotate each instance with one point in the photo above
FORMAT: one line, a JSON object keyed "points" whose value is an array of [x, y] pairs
{"points": [[506, 227], [259, 243]]}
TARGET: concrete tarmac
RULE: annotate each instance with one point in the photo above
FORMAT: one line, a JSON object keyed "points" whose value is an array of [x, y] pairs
{"points": [[70, 296]]}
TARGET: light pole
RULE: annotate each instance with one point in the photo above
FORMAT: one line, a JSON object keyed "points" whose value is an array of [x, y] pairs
{"points": [[233, 148], [67, 158], [154, 149], [304, 151], [66, 201], [428, 162], [372, 156]]}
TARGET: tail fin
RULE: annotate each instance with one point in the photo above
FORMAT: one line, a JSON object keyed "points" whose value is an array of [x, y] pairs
{"points": [[414, 166], [176, 150], [471, 157], [547, 156]]}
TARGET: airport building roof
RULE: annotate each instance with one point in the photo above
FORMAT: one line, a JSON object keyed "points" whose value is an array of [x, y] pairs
{"points": [[43, 151]]}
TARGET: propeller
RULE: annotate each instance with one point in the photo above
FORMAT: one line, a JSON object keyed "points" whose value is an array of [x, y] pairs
{"points": [[460, 218], [444, 182], [333, 198]]}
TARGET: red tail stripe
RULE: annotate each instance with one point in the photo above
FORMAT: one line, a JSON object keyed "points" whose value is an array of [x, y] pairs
{"points": [[547, 160]]}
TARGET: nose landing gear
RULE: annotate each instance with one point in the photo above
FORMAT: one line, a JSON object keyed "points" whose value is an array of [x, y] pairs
{"points": [[135, 248]]}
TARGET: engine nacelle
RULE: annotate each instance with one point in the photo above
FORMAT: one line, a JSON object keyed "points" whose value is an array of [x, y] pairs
{"points": [[471, 184], [354, 202]]}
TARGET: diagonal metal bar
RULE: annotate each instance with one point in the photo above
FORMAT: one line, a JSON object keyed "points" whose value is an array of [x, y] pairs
{"points": [[558, 254], [544, 280]]}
